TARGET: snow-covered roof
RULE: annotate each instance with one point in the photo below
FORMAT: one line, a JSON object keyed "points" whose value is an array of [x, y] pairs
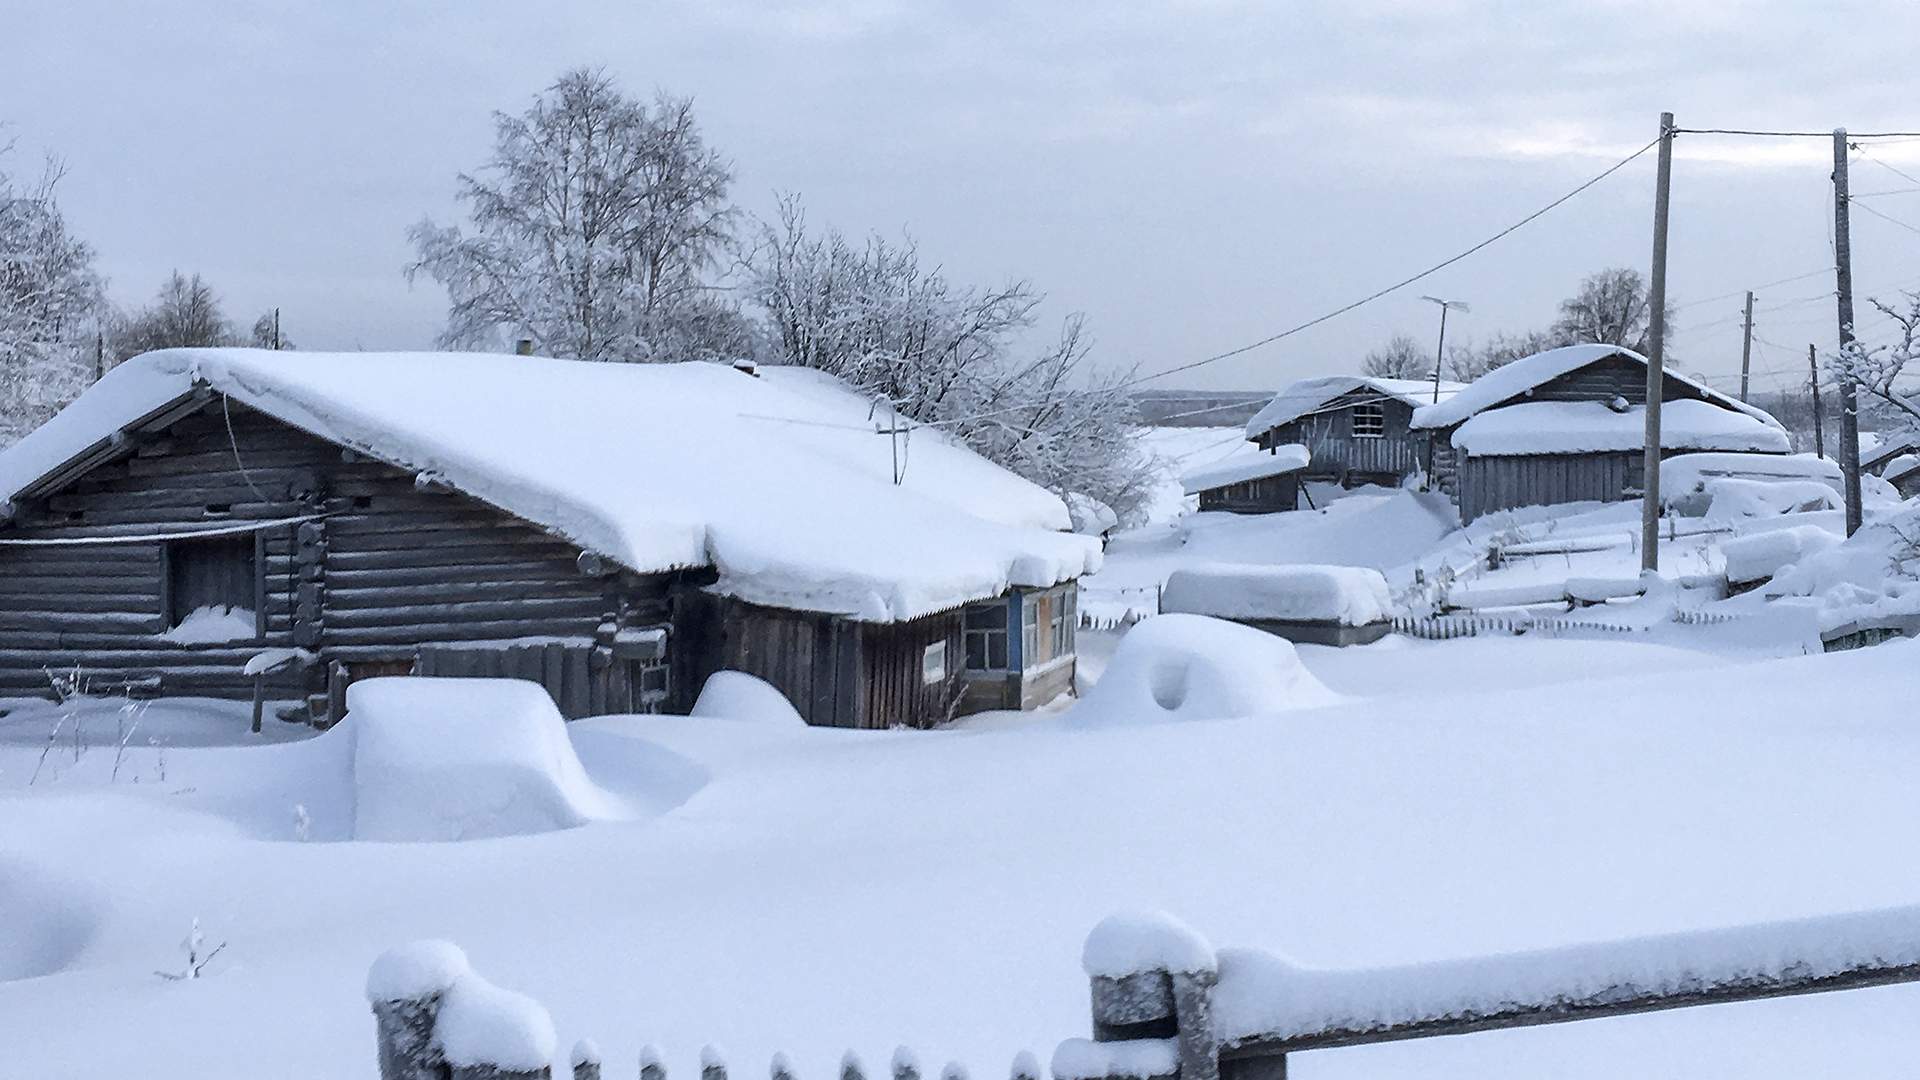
{"points": [[1305, 396], [1284, 459], [1884, 450], [1575, 427], [779, 481], [1512, 380], [1900, 467]]}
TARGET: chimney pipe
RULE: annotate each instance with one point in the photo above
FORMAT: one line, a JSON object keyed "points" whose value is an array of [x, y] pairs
{"points": [[523, 347]]}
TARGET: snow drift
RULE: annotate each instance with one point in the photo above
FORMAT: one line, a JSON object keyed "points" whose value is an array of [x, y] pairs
{"points": [[1190, 667], [1872, 575], [1347, 595], [463, 759], [736, 695]]}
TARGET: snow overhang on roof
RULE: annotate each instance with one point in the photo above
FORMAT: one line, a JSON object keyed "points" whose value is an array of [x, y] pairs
{"points": [[780, 483], [1284, 459], [1503, 384], [1574, 427], [1308, 395]]}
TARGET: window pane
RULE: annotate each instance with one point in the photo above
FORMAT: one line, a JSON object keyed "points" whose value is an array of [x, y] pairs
{"points": [[997, 650], [976, 650]]}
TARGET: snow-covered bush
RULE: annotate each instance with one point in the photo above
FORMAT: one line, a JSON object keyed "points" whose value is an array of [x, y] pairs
{"points": [[1188, 667]]}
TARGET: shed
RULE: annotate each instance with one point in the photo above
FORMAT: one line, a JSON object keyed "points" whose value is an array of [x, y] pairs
{"points": [[1263, 483], [1568, 425], [1903, 472], [615, 532], [1880, 458], [1356, 427]]}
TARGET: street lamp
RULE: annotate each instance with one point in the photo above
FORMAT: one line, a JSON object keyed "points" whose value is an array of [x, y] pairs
{"points": [[1441, 350]]}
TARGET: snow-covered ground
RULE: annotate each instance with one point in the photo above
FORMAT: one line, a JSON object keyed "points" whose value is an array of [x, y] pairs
{"points": [[738, 879]]}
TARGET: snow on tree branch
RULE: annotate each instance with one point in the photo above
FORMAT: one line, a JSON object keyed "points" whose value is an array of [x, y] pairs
{"points": [[50, 302]]}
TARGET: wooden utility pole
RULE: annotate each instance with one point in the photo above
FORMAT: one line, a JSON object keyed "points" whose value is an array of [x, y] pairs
{"points": [[1813, 376], [276, 329], [1656, 354], [1746, 346], [1843, 277]]}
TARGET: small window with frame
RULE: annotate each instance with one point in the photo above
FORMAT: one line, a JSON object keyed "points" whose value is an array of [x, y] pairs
{"points": [[985, 636], [212, 589], [933, 664], [1369, 420]]}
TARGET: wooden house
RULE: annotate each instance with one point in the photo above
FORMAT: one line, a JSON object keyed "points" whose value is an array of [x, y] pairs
{"points": [[1568, 425], [1356, 428], [1899, 445], [231, 522], [1262, 483], [1903, 472]]}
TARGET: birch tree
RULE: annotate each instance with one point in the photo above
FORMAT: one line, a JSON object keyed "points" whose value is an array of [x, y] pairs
{"points": [[51, 298], [1400, 358], [595, 229], [184, 314], [947, 356]]}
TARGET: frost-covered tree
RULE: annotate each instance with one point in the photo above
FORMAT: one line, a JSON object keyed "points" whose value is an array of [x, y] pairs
{"points": [[51, 298], [1612, 308], [948, 356], [185, 314], [1400, 358], [595, 229], [1884, 373]]}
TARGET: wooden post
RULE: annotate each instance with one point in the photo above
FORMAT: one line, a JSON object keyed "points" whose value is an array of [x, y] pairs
{"points": [[905, 1065], [781, 1068], [713, 1064], [586, 1060], [1746, 346], [651, 1067], [405, 988], [259, 699], [1162, 1004], [1656, 353], [1813, 374], [1843, 278], [850, 1067], [1025, 1067]]}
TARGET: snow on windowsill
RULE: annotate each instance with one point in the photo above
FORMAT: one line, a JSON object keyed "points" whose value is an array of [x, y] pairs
{"points": [[214, 624]]}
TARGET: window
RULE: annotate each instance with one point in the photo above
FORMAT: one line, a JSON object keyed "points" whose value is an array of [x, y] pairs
{"points": [[986, 637], [1061, 635], [933, 664], [1369, 420], [211, 583], [1030, 631]]}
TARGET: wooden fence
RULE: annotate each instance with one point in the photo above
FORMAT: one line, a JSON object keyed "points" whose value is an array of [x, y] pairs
{"points": [[1167, 1007]]}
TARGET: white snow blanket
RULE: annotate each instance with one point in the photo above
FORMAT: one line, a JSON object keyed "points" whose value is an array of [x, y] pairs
{"points": [[1190, 667], [779, 481], [1090, 516], [1308, 395], [1575, 427], [1760, 555], [1281, 460], [463, 759], [1872, 575], [1690, 472], [1504, 384], [1731, 499], [1347, 595]]}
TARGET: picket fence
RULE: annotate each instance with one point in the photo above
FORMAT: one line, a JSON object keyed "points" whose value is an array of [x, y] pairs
{"points": [[1170, 1011]]}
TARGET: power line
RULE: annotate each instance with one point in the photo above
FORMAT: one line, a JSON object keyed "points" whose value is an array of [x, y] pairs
{"points": [[1868, 207], [1851, 135], [1404, 282], [1757, 288], [1908, 177]]}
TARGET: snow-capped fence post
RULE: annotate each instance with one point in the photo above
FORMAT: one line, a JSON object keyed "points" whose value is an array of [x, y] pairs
{"points": [[651, 1067], [713, 1064], [905, 1065], [405, 987], [436, 1019], [1152, 980], [586, 1060]]}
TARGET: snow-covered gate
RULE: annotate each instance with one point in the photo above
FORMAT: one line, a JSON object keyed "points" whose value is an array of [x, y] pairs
{"points": [[1168, 1006]]}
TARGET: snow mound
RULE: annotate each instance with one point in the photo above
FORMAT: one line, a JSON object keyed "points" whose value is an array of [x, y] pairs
{"points": [[1129, 943], [1090, 516], [1684, 473], [1872, 575], [1759, 556], [736, 695], [47, 921], [463, 759], [1348, 595], [1732, 499], [416, 971], [483, 1024], [1189, 667], [1575, 427]]}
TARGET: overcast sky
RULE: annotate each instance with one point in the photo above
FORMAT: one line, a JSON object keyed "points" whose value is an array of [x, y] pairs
{"points": [[1192, 176]]}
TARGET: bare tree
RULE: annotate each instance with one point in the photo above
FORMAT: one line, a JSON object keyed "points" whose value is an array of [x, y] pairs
{"points": [[1467, 361], [1879, 372], [51, 300], [943, 355], [1400, 358], [1611, 308], [185, 314], [595, 227]]}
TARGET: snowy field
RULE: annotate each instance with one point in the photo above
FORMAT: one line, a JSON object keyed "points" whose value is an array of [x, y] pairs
{"points": [[811, 890]]}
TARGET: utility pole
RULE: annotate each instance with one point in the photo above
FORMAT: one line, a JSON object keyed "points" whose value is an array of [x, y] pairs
{"points": [[1656, 358], [1440, 350], [1813, 378], [99, 355], [276, 328], [1746, 346], [1843, 277]]}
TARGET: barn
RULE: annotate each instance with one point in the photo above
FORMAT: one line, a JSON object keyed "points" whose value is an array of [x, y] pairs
{"points": [[1357, 428], [234, 523], [1569, 425], [1263, 483]]}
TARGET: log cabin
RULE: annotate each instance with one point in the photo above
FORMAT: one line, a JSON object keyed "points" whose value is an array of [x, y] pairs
{"points": [[1264, 483], [1356, 428], [237, 523], [1568, 425]]}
